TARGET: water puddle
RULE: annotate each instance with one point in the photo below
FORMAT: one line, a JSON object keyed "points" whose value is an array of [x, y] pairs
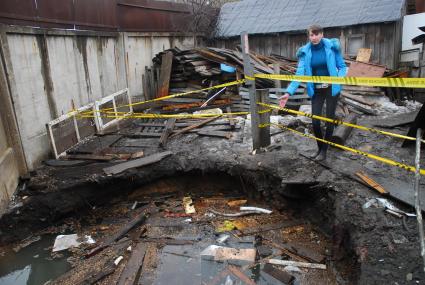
{"points": [[32, 265]]}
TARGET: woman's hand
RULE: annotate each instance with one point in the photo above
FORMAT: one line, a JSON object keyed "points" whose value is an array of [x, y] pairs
{"points": [[283, 99]]}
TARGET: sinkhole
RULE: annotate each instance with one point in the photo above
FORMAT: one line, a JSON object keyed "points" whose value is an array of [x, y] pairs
{"points": [[194, 231]]}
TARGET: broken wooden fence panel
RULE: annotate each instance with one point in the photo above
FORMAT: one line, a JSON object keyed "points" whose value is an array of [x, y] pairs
{"points": [[61, 145], [122, 96]]}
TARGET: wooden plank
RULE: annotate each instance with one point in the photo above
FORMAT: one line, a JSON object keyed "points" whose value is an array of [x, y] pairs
{"points": [[194, 126], [372, 183], [88, 157], [219, 134], [133, 267], [361, 69], [118, 168], [142, 135], [363, 55], [95, 144], [167, 131], [298, 264], [164, 78]]}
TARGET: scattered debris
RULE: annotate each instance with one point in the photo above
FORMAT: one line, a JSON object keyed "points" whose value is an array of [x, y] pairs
{"points": [[220, 253], [384, 203]]}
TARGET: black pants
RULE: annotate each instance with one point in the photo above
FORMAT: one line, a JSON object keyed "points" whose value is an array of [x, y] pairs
{"points": [[320, 96]]}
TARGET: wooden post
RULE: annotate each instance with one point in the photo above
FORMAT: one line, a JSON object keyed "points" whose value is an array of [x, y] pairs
{"points": [[263, 140], [277, 83], [258, 134]]}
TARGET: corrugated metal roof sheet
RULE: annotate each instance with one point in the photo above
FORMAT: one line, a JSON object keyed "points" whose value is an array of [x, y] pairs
{"points": [[273, 16]]}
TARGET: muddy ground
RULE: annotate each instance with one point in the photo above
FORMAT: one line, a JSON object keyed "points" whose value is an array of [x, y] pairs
{"points": [[385, 248]]}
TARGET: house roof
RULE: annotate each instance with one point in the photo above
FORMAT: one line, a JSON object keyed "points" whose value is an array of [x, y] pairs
{"points": [[273, 16]]}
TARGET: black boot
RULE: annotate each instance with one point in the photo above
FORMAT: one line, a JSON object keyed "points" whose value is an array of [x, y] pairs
{"points": [[319, 149], [322, 154]]}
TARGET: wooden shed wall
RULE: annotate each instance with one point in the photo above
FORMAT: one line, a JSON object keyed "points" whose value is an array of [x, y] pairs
{"points": [[383, 38]]}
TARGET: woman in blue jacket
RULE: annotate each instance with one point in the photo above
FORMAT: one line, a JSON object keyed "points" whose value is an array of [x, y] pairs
{"points": [[320, 57]]}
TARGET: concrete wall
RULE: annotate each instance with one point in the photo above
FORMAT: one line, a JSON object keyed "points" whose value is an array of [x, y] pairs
{"points": [[49, 71], [140, 48]]}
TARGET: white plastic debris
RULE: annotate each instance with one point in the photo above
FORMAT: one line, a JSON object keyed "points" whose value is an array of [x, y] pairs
{"points": [[260, 210], [129, 248], [118, 260], [222, 238], [63, 242], [384, 203], [229, 280]]}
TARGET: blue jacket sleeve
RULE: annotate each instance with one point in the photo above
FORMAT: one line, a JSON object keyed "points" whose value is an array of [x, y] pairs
{"points": [[300, 71], [340, 65]]}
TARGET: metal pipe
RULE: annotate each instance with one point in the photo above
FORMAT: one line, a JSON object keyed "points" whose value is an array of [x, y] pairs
{"points": [[417, 202]]}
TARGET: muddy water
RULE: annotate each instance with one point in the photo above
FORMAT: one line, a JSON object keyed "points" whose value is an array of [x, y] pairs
{"points": [[31, 265]]}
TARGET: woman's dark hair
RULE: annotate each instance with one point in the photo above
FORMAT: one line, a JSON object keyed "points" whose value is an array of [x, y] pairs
{"points": [[315, 29]]}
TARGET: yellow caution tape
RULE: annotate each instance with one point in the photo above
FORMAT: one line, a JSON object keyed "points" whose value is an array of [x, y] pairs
{"points": [[361, 81], [236, 82], [356, 151], [338, 122], [163, 116]]}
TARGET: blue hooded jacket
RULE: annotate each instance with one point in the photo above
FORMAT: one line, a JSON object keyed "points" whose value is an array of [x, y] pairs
{"points": [[334, 60]]}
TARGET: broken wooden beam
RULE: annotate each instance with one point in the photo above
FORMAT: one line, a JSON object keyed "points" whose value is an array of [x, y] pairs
{"points": [[298, 264], [118, 168], [342, 132], [167, 131], [164, 78]]}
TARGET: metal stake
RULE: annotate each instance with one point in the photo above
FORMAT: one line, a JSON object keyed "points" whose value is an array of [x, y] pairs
{"points": [[417, 202]]}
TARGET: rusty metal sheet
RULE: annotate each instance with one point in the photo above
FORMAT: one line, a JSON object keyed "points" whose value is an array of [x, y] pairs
{"points": [[98, 14], [52, 15], [17, 12], [152, 16]]}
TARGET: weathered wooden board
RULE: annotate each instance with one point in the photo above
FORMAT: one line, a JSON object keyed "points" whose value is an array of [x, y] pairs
{"points": [[118, 168]]}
